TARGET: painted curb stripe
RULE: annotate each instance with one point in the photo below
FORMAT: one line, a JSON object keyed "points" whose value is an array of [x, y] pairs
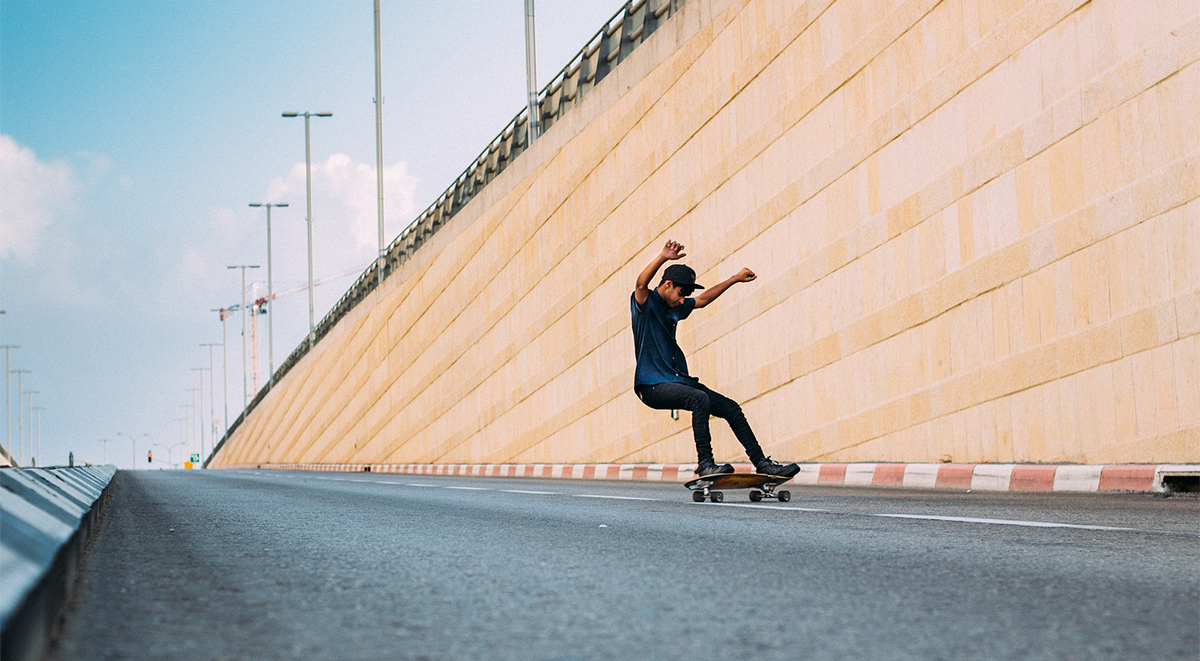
{"points": [[975, 477]]}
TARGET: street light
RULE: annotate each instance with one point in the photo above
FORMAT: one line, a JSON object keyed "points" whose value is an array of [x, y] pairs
{"points": [[39, 408], [20, 418], [132, 447], [531, 75], [224, 361], [8, 396], [245, 317], [200, 410], [106, 441], [379, 147], [312, 325], [270, 295], [31, 393], [212, 384]]}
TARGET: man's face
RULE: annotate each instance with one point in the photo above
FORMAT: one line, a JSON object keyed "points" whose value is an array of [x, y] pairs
{"points": [[674, 294]]}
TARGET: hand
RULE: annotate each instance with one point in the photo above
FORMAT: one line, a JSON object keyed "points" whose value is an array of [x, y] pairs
{"points": [[745, 275], [673, 250]]}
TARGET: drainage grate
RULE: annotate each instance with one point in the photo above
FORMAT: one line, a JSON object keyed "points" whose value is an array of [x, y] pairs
{"points": [[1181, 483], [366, 469]]}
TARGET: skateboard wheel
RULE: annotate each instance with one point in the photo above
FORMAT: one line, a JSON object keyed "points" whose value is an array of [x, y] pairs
{"points": [[698, 496], [755, 495], [716, 496], [784, 496]]}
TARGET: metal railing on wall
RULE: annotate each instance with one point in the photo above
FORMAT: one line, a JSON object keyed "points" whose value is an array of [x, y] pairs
{"points": [[616, 39]]}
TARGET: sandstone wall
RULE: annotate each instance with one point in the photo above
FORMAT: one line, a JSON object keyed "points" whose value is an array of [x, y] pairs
{"points": [[976, 226]]}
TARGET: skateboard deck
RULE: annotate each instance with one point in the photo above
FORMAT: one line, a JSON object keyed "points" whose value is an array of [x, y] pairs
{"points": [[761, 486]]}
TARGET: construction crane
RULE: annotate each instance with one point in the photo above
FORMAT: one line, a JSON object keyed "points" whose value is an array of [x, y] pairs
{"points": [[259, 308]]}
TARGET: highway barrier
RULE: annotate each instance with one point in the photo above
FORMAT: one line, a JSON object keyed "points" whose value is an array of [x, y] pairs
{"points": [[47, 516]]}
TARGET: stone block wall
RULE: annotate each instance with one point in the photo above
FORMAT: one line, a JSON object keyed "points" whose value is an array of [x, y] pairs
{"points": [[976, 226]]}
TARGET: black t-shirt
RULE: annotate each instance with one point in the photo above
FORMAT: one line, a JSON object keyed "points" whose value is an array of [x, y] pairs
{"points": [[659, 358]]}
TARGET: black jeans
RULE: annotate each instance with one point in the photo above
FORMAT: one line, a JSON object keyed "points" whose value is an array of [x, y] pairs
{"points": [[702, 402]]}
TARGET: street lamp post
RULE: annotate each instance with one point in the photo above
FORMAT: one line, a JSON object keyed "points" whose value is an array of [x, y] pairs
{"points": [[224, 363], [270, 296], [212, 384], [379, 146], [8, 396], [245, 330], [106, 441], [200, 410], [132, 447], [39, 408], [531, 74], [196, 412], [20, 418], [312, 325], [29, 402]]}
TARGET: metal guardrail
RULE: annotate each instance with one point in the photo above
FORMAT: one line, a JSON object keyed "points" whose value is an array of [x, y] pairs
{"points": [[616, 39]]}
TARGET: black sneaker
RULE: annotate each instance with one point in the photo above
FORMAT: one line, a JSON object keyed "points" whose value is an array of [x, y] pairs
{"points": [[712, 468], [768, 467]]}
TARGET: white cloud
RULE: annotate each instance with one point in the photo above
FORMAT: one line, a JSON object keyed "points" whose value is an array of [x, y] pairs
{"points": [[34, 194], [344, 193]]}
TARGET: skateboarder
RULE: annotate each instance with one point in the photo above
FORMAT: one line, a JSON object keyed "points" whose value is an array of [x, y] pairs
{"points": [[661, 379]]}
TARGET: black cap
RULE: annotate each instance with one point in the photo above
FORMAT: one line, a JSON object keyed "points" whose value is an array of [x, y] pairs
{"points": [[682, 275]]}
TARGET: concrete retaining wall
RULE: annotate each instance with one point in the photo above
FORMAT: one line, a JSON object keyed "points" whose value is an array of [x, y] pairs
{"points": [[976, 228], [46, 518]]}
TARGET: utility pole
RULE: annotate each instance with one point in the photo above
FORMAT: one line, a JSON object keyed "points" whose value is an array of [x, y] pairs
{"points": [[105, 441], [8, 395], [245, 322], [187, 440]]}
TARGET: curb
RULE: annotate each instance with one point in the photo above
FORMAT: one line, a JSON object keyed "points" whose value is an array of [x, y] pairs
{"points": [[1074, 478], [46, 518]]}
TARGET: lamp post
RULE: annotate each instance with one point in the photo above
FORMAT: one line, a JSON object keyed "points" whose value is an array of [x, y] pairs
{"points": [[106, 441], [312, 325], [531, 74], [224, 362], [245, 317], [132, 448], [212, 384], [8, 396], [270, 295], [196, 413], [20, 417], [379, 146], [187, 439], [200, 410], [39, 408], [29, 402], [181, 437]]}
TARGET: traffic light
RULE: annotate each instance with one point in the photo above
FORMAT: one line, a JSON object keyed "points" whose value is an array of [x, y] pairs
{"points": [[149, 456]]}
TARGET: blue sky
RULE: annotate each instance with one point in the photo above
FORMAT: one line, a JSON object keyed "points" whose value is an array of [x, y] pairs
{"points": [[134, 134]]}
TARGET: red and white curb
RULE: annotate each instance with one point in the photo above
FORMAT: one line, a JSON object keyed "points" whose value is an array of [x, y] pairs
{"points": [[974, 477]]}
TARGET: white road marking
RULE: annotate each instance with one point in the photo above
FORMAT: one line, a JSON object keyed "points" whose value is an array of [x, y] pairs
{"points": [[1004, 522], [584, 495], [540, 493], [469, 488], [768, 507], [414, 484]]}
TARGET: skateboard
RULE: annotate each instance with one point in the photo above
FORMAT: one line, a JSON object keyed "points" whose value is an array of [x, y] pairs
{"points": [[760, 486]]}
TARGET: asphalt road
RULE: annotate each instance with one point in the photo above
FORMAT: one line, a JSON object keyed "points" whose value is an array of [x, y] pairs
{"points": [[273, 565]]}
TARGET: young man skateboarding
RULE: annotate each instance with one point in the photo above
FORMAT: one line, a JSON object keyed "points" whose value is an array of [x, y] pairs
{"points": [[662, 381]]}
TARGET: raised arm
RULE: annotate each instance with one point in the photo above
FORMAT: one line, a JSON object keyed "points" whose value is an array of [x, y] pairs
{"points": [[641, 290], [709, 295]]}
